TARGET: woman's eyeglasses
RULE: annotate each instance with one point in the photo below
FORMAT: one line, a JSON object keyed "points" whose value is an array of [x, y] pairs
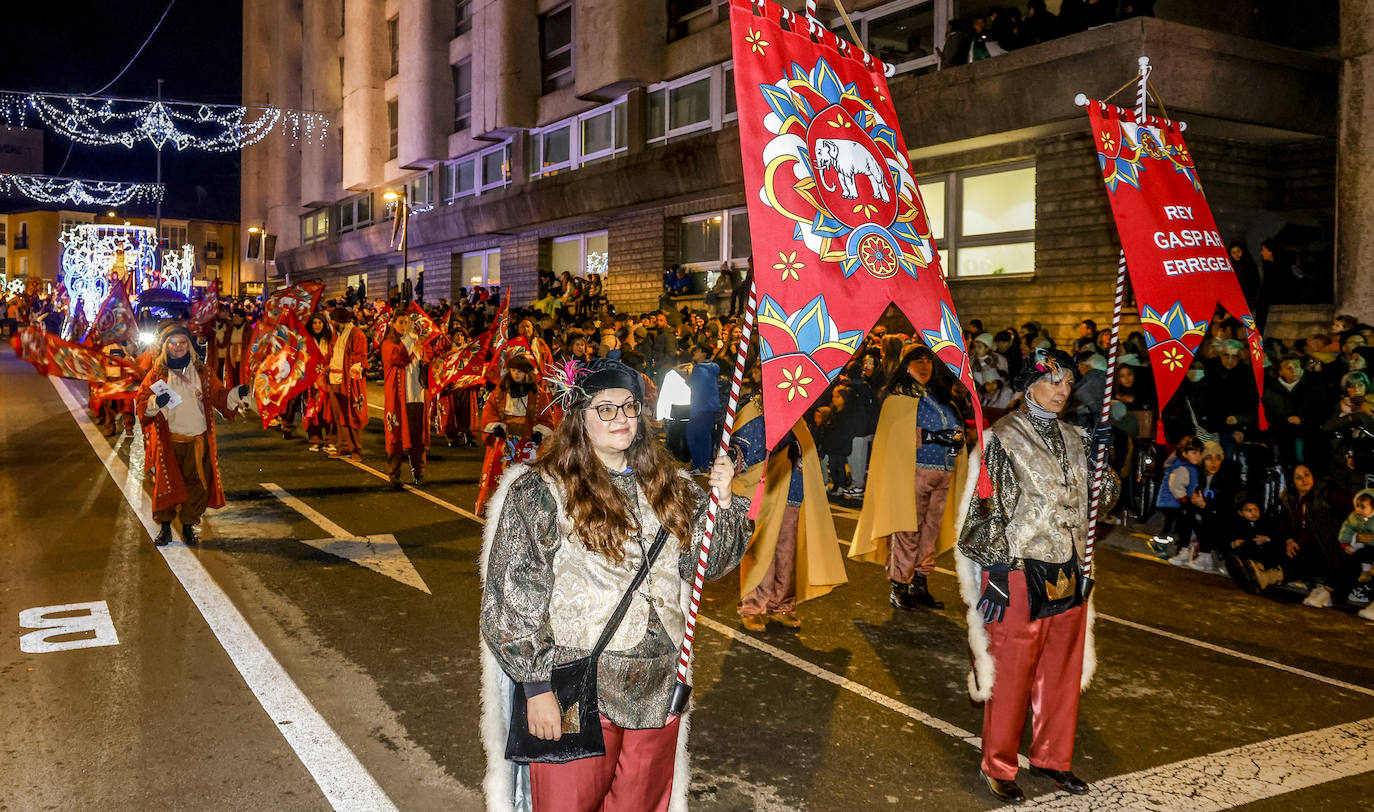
{"points": [[607, 411]]}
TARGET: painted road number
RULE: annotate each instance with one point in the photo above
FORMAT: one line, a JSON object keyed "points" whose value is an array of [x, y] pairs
{"points": [[69, 626]]}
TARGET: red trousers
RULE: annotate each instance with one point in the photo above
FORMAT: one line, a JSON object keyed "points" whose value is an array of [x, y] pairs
{"points": [[1039, 665], [635, 775]]}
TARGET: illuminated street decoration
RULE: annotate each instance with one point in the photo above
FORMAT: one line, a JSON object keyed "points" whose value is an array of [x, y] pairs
{"points": [[79, 191], [106, 121], [94, 255], [178, 269]]}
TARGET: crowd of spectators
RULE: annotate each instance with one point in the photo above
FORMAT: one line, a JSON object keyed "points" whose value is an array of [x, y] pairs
{"points": [[1005, 28]]}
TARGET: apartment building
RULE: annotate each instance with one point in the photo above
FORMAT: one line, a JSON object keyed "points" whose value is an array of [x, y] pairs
{"points": [[601, 135]]}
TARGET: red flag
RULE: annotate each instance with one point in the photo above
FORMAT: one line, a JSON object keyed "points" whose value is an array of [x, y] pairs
{"points": [[380, 325], [115, 322], [288, 362], [426, 330], [300, 300], [838, 227], [496, 341], [122, 381], [30, 346], [204, 313], [1179, 266], [460, 368], [68, 359]]}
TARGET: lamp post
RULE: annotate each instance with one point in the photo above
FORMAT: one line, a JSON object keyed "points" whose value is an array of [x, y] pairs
{"points": [[259, 234], [402, 225]]}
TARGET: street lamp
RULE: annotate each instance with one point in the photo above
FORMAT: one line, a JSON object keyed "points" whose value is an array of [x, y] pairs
{"points": [[253, 232], [402, 225]]}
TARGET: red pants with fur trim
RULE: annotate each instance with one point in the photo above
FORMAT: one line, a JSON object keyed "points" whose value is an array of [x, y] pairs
{"points": [[1039, 665], [635, 775]]}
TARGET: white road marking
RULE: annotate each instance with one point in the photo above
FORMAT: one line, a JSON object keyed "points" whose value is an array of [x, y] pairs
{"points": [[422, 494], [92, 617], [343, 779], [380, 553], [1230, 778]]}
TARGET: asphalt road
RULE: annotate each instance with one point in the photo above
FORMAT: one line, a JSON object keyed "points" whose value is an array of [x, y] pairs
{"points": [[319, 648]]}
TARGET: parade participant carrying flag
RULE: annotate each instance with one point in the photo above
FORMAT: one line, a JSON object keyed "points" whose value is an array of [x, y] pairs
{"points": [[204, 312], [285, 362], [115, 322]]}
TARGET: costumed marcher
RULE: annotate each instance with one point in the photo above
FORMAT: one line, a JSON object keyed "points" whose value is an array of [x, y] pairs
{"points": [[231, 348], [406, 410], [564, 540], [514, 416], [318, 411], [347, 388], [177, 403], [917, 454], [115, 413], [459, 409], [794, 555], [1020, 558]]}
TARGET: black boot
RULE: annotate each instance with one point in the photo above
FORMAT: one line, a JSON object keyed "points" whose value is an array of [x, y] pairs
{"points": [[900, 597], [1063, 779], [188, 534], [164, 536], [920, 593], [395, 483]]}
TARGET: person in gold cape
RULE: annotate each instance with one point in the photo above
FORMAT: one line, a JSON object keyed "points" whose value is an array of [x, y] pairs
{"points": [[918, 458], [794, 555]]}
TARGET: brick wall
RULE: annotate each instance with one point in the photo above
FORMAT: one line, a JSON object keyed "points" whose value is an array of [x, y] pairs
{"points": [[639, 245]]}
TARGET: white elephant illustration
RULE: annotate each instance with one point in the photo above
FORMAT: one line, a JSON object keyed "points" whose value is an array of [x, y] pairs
{"points": [[849, 158]]}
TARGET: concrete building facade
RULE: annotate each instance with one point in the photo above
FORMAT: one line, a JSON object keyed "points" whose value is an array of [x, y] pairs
{"points": [[601, 135]]}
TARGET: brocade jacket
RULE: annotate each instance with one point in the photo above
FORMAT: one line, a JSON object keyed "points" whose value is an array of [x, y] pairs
{"points": [[547, 597]]}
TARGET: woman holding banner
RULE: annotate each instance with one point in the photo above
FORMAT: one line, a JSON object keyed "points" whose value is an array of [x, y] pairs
{"points": [[347, 388], [565, 542], [407, 410]]}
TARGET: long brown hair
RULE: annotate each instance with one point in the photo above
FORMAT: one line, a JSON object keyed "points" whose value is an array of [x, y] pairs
{"points": [[601, 517]]}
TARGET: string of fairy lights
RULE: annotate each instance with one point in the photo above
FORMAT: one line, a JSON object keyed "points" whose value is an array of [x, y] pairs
{"points": [[81, 191]]}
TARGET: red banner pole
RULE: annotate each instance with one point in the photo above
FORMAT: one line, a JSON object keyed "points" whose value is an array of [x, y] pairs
{"points": [[1100, 472], [700, 579]]}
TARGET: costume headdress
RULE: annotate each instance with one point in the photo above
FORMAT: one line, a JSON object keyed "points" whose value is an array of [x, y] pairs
{"points": [[1042, 362], [574, 382]]}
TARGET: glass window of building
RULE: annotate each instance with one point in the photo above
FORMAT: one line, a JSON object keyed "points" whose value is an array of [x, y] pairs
{"points": [[481, 267], [495, 167], [690, 16], [595, 135], [902, 33], [393, 123], [694, 103], [462, 95], [393, 44], [462, 17], [708, 240], [552, 149], [983, 220], [459, 178], [580, 254], [172, 236], [420, 191], [555, 48], [314, 226]]}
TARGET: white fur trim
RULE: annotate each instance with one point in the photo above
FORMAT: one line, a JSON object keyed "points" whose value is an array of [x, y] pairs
{"points": [[1089, 650], [506, 784], [984, 670]]}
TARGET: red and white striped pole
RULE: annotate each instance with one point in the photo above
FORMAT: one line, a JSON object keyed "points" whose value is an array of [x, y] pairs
{"points": [[1100, 471], [679, 704]]}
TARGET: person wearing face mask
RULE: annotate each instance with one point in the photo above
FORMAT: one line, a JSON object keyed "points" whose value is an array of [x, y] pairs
{"points": [[1293, 403], [515, 411], [1020, 561], [1237, 411], [1190, 410], [177, 404], [1352, 429]]}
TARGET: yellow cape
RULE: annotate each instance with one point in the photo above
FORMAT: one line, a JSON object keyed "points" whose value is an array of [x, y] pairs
{"points": [[889, 498], [819, 564]]}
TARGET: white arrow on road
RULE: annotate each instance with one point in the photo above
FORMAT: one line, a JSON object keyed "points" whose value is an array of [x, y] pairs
{"points": [[379, 553]]}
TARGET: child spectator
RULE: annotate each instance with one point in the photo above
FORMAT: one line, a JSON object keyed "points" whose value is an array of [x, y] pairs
{"points": [[1256, 556], [1357, 553], [1180, 482], [845, 420]]}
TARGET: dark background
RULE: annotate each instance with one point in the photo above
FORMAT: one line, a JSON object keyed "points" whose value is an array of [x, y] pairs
{"points": [[77, 46]]}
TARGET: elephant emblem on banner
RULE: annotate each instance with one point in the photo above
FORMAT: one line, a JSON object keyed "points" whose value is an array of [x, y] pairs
{"points": [[850, 159]]}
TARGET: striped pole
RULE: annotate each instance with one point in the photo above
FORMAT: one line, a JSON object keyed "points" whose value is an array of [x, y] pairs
{"points": [[685, 659], [1099, 473]]}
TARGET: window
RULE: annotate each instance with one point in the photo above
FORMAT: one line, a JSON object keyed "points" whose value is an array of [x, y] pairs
{"points": [[596, 135], [481, 267], [172, 237], [23, 266], [555, 48], [707, 240], [393, 123], [462, 95], [694, 103], [72, 219], [2, 264], [314, 226], [21, 239], [901, 33], [462, 17], [983, 220], [355, 213], [475, 173], [689, 16], [2, 233], [580, 254], [420, 191], [393, 44]]}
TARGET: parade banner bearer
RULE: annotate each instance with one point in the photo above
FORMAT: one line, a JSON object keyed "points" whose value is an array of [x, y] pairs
{"points": [[176, 404], [1020, 559]]}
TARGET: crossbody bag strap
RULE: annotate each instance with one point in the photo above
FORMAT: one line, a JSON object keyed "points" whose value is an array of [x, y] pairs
{"points": [[620, 610]]}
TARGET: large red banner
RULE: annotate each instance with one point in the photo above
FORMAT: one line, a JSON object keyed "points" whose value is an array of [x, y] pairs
{"points": [[838, 226], [1180, 270], [115, 321], [285, 362]]}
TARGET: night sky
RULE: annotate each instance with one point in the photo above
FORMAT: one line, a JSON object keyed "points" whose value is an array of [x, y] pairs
{"points": [[77, 46]]}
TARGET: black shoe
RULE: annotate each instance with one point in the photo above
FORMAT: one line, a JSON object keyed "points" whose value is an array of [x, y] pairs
{"points": [[1063, 779], [395, 483], [1005, 790], [417, 479], [920, 593], [900, 596], [188, 534], [454, 444], [164, 536]]}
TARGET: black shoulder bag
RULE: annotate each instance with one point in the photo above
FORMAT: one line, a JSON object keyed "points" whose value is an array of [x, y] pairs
{"points": [[574, 686]]}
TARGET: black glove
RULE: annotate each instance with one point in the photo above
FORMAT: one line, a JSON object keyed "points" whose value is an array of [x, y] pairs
{"points": [[997, 596], [499, 432], [243, 391], [794, 451], [537, 437], [162, 399], [1102, 441], [945, 437]]}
